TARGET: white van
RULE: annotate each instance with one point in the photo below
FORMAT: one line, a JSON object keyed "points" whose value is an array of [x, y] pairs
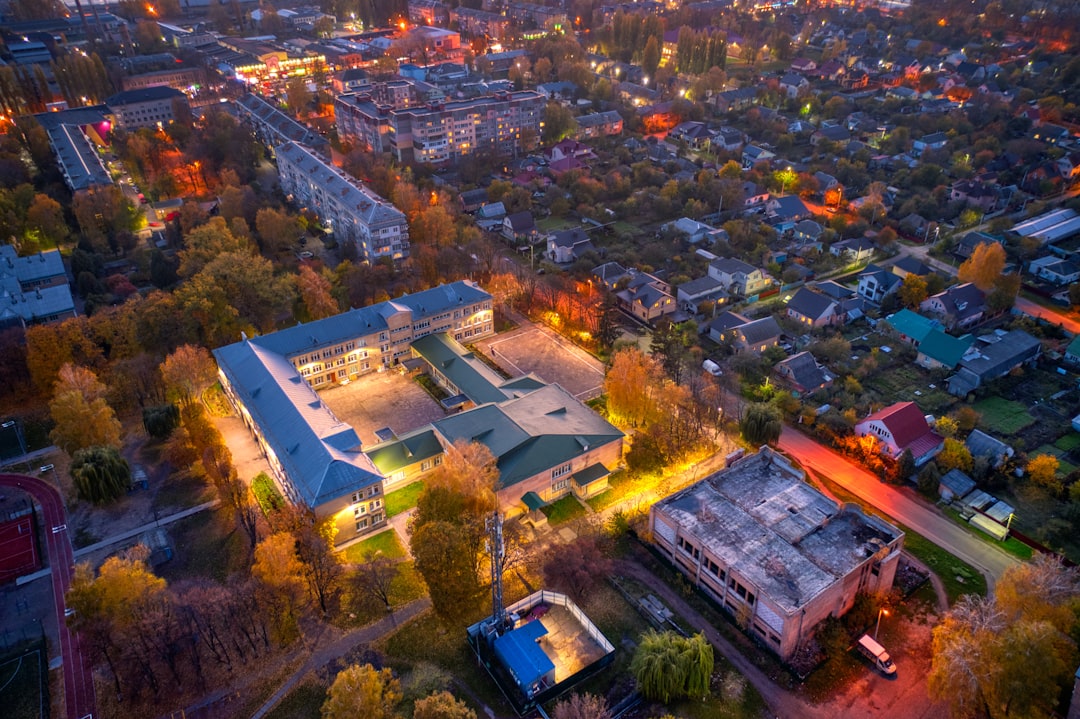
{"points": [[877, 654], [712, 368]]}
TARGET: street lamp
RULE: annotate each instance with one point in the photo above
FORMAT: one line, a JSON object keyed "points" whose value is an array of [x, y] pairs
{"points": [[881, 611]]}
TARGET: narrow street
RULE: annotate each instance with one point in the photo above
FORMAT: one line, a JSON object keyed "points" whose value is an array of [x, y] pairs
{"points": [[906, 509]]}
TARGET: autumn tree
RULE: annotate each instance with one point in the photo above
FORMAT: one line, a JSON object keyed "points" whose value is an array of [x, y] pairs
{"points": [[912, 291], [668, 666], [761, 424], [582, 706], [577, 567], [469, 469], [631, 386], [81, 416], [373, 579], [954, 455], [100, 474], [187, 372], [363, 691], [279, 230], [45, 216], [1042, 470], [442, 705], [280, 574], [315, 293], [446, 558], [1010, 654], [321, 564], [205, 243], [984, 267]]}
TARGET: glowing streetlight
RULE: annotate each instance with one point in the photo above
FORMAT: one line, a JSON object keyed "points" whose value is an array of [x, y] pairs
{"points": [[881, 611]]}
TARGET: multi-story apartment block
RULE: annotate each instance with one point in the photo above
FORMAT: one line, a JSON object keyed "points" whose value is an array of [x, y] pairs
{"points": [[352, 211], [363, 122], [502, 124], [599, 124], [273, 127], [772, 550], [148, 107], [33, 289], [542, 16], [477, 23], [429, 12]]}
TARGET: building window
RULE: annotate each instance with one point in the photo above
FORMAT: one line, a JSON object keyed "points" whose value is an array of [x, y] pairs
{"points": [[560, 486], [361, 524], [359, 510], [560, 471]]}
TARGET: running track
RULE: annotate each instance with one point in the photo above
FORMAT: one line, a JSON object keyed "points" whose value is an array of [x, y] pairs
{"points": [[79, 696]]}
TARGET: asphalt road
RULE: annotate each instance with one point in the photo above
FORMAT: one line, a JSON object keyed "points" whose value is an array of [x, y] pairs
{"points": [[1066, 318], [79, 695], [909, 511]]}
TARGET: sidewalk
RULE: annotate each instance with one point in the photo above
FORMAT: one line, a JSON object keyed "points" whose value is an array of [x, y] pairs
{"points": [[363, 635], [117, 538]]}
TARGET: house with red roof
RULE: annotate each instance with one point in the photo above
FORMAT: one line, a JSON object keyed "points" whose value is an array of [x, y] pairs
{"points": [[902, 426]]}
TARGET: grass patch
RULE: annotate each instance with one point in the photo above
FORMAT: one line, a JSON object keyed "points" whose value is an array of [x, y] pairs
{"points": [[1065, 467], [303, 702], [180, 491], [564, 510], [1003, 416], [206, 544], [621, 485], [24, 682], [1068, 442], [267, 494], [554, 224], [359, 610], [404, 499], [385, 543], [431, 387]]}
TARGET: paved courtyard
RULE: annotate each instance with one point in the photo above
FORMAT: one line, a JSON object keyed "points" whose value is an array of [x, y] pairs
{"points": [[535, 349], [382, 399]]}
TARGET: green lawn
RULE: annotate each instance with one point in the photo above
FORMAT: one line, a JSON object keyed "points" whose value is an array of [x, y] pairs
{"points": [[404, 499], [386, 543], [564, 510], [1069, 442], [303, 702], [621, 484], [1003, 416], [266, 493], [206, 544], [554, 224]]}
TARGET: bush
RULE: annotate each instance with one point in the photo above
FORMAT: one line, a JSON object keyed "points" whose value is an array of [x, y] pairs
{"points": [[101, 474]]}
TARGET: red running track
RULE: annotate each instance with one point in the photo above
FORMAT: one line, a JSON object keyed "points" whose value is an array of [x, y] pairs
{"points": [[79, 694]]}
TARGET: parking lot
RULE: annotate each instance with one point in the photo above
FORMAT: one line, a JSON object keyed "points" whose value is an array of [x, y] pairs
{"points": [[530, 348], [382, 399]]}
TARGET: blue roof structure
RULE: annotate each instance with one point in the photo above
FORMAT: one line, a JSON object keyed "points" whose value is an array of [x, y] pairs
{"points": [[523, 657]]}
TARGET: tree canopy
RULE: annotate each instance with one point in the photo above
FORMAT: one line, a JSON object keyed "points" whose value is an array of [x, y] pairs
{"points": [[668, 666], [363, 691]]}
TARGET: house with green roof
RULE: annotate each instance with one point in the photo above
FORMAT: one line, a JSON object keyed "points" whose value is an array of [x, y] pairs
{"points": [[910, 326], [939, 350], [1072, 352]]}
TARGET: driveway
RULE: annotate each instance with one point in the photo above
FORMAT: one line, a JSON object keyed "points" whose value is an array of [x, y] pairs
{"points": [[925, 520]]}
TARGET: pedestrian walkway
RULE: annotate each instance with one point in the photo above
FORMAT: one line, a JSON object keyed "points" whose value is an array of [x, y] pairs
{"points": [[363, 635], [123, 536]]}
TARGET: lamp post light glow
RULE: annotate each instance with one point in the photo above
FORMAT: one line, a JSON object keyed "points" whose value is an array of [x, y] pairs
{"points": [[877, 626]]}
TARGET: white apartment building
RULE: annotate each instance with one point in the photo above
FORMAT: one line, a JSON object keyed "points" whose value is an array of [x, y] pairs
{"points": [[503, 124], [352, 211]]}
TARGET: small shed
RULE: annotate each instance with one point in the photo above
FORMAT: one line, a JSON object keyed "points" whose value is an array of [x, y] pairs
{"points": [[954, 484], [523, 657]]}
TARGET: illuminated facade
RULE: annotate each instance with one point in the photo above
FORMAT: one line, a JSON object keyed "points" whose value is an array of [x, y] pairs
{"points": [[353, 212]]}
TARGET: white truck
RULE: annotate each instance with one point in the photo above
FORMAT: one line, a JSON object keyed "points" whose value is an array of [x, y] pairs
{"points": [[877, 654]]}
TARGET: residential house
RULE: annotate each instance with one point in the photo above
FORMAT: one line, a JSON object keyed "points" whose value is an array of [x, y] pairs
{"points": [[902, 427], [933, 141], [772, 550], [803, 65], [954, 484], [1051, 134], [599, 124], [568, 149], [1072, 352], [695, 231], [808, 232], [696, 135], [611, 274], [967, 244], [939, 350], [728, 139], [752, 154], [754, 336], [803, 374], [520, 227], [910, 327], [980, 444], [787, 209], [831, 70], [792, 84], [813, 309], [993, 356], [562, 91], [704, 289], [831, 133], [646, 297], [719, 328], [754, 195], [737, 99], [960, 306], [738, 277], [1069, 166], [910, 265], [473, 200], [875, 284], [975, 194], [856, 249], [568, 245], [1055, 270]]}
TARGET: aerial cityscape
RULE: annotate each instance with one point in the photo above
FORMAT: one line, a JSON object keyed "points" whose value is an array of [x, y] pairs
{"points": [[433, 359]]}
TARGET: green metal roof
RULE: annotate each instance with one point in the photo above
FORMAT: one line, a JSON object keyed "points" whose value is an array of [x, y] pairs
{"points": [[590, 474], [532, 501], [911, 324], [1074, 347], [946, 349], [399, 453], [471, 376]]}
